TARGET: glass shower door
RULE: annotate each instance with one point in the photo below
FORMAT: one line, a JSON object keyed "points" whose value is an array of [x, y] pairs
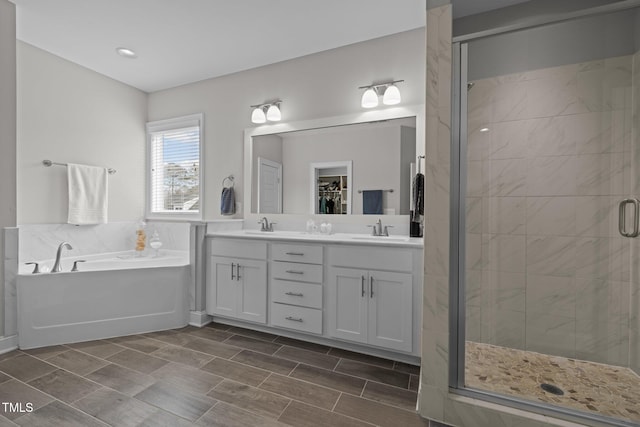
{"points": [[551, 215]]}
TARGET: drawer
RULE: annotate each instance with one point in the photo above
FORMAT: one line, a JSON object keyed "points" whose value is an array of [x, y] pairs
{"points": [[392, 259], [237, 248], [296, 271], [310, 254], [295, 293], [294, 317]]}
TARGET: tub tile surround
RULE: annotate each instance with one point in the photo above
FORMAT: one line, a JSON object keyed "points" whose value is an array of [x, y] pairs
{"points": [[40, 241], [10, 280]]}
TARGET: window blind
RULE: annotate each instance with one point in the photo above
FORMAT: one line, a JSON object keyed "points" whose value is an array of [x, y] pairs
{"points": [[174, 162]]}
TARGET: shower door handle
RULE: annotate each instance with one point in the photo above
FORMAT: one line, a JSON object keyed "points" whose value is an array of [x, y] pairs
{"points": [[622, 217]]}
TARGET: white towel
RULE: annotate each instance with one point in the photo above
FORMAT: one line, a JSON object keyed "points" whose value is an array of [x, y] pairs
{"points": [[88, 186]]}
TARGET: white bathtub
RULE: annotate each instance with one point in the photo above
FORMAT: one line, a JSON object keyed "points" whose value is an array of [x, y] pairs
{"points": [[112, 295]]}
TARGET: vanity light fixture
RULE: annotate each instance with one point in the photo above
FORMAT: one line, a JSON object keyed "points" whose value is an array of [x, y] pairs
{"points": [[269, 111], [126, 52], [389, 91]]}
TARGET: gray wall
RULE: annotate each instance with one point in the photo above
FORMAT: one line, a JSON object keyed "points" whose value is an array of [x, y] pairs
{"points": [[7, 132], [69, 113], [553, 45], [315, 86]]}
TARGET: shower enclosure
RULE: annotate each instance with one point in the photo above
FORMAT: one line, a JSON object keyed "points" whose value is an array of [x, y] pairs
{"points": [[547, 212]]}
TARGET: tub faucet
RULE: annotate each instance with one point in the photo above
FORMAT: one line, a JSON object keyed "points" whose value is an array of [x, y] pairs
{"points": [[56, 266]]}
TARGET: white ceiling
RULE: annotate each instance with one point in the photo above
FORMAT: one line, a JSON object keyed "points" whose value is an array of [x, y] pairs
{"points": [[182, 41]]}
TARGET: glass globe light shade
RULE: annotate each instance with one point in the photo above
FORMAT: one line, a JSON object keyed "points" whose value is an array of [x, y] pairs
{"points": [[274, 114], [258, 116], [391, 96], [369, 98]]}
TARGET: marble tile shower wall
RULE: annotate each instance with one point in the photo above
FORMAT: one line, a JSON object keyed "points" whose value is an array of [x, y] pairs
{"points": [[547, 270], [40, 241]]}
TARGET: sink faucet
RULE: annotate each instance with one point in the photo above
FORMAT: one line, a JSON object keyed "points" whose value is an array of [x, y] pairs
{"points": [[56, 266], [378, 230], [265, 225]]}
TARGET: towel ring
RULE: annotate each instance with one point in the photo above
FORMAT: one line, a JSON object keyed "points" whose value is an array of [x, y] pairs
{"points": [[230, 178]]}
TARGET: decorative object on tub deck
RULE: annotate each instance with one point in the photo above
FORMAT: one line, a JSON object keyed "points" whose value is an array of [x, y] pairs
{"points": [[372, 202], [155, 243], [141, 237], [88, 191], [417, 203], [228, 198]]}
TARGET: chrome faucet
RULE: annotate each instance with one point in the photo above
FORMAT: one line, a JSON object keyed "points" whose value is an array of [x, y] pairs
{"points": [[56, 266], [378, 230], [265, 225]]}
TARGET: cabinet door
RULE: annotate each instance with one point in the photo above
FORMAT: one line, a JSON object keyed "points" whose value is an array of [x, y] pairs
{"points": [[252, 290], [221, 286], [347, 306], [390, 310]]}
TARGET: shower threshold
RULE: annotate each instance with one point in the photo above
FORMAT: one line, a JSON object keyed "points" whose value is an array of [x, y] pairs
{"points": [[597, 388]]}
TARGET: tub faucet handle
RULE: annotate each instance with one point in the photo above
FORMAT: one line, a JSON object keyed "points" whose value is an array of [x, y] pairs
{"points": [[75, 264], [36, 269]]}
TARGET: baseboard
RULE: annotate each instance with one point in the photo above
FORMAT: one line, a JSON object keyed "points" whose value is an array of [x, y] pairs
{"points": [[199, 318], [8, 344]]}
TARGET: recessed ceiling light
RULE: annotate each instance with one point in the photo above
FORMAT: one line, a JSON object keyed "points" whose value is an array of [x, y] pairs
{"points": [[484, 130], [125, 52]]}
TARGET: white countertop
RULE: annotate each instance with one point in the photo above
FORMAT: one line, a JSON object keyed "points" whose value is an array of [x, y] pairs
{"points": [[336, 238]]}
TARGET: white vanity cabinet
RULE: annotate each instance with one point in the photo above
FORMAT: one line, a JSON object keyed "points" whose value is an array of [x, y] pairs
{"points": [[373, 303], [236, 284]]}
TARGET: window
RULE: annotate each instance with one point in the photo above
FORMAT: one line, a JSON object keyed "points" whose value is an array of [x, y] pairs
{"points": [[174, 184]]}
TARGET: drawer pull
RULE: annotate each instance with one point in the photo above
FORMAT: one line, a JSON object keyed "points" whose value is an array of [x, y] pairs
{"points": [[295, 253], [294, 319], [238, 271], [294, 272], [363, 286], [233, 265], [294, 294]]}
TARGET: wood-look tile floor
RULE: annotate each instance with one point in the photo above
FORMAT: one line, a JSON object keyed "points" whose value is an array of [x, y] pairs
{"points": [[217, 375]]}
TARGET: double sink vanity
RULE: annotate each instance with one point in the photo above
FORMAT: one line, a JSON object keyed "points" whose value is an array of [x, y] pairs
{"points": [[354, 291], [358, 291]]}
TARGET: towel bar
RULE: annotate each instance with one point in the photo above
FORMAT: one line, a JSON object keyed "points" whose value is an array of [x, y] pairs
{"points": [[49, 163], [389, 190]]}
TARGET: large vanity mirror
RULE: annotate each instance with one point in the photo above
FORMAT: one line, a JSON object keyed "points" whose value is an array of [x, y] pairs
{"points": [[341, 166]]}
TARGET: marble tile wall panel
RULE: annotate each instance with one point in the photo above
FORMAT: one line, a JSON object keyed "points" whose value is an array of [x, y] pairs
{"points": [[435, 335], [40, 241], [10, 239]]}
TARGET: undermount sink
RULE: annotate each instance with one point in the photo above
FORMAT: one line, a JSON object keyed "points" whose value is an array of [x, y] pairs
{"points": [[320, 236], [382, 238]]}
